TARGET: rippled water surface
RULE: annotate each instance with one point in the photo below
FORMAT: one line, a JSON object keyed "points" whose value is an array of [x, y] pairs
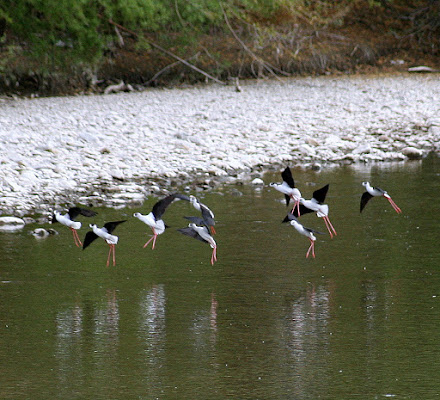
{"points": [[362, 320]]}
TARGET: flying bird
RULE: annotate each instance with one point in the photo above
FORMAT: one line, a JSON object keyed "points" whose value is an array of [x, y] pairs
{"points": [[307, 232], [154, 218], [200, 233], [105, 233], [69, 220], [207, 214], [316, 204], [287, 187], [376, 192]]}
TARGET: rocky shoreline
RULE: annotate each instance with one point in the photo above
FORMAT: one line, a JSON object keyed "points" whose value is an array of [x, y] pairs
{"points": [[116, 149]]}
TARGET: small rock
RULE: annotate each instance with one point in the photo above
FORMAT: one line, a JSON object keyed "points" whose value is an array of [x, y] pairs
{"points": [[362, 149], [421, 69], [307, 150], [11, 223], [412, 153], [316, 166], [257, 181], [312, 142]]}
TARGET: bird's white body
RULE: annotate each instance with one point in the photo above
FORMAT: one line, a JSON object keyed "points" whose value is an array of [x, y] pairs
{"points": [[320, 209], [303, 231], [204, 234], [65, 220], [157, 226], [307, 233], [374, 191], [284, 188], [102, 233]]}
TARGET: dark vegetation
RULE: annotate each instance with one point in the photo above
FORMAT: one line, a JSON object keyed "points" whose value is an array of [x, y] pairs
{"points": [[60, 46]]}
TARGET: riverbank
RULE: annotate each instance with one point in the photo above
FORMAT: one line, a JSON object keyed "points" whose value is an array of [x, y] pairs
{"points": [[116, 149]]}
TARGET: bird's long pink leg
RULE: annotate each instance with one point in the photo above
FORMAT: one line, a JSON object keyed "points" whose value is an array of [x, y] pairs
{"points": [[109, 252], [394, 205], [327, 219], [312, 248], [295, 205], [76, 238], [114, 255], [328, 227], [152, 238], [214, 255]]}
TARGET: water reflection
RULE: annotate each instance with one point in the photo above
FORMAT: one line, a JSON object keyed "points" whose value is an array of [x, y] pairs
{"points": [[87, 335], [307, 337], [204, 326], [152, 322]]}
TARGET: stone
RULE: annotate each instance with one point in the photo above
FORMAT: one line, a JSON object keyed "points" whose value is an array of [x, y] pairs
{"points": [[257, 181], [412, 153], [362, 149], [10, 224]]}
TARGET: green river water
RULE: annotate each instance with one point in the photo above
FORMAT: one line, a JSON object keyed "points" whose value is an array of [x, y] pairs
{"points": [[361, 320]]}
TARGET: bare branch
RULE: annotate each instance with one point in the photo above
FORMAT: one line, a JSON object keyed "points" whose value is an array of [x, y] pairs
{"points": [[270, 68], [169, 53]]}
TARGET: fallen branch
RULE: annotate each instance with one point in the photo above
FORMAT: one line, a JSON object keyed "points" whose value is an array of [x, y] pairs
{"points": [[169, 53], [157, 74]]}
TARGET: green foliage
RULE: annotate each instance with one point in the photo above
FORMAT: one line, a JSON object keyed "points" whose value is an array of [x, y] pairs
{"points": [[54, 35], [62, 32]]}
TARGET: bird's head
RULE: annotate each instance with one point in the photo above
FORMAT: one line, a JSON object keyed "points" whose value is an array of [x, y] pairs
{"points": [[193, 199], [365, 183], [136, 214], [92, 226]]}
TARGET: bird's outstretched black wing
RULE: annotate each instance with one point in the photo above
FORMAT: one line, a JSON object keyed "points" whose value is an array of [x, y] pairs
{"points": [[160, 207], [365, 199], [313, 231], [90, 237], [287, 177], [197, 221], [182, 196], [188, 231], [75, 211], [319, 194], [110, 226], [302, 210]]}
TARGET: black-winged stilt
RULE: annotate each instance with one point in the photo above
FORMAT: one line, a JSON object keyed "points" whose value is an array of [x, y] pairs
{"points": [[207, 214], [154, 218], [200, 233], [376, 192], [316, 204], [105, 233], [69, 220], [287, 187], [307, 232]]}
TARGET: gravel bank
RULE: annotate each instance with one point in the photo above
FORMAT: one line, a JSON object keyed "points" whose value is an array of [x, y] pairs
{"points": [[113, 149]]}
